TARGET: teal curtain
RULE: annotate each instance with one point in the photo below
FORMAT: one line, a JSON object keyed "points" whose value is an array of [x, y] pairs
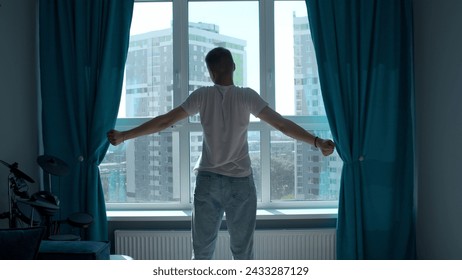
{"points": [[83, 49], [364, 55]]}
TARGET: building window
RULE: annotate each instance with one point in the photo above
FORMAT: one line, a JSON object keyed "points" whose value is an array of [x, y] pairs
{"points": [[276, 60]]}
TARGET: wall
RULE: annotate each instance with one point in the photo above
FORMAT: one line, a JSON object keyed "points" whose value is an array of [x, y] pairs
{"points": [[438, 68], [18, 93], [438, 76]]}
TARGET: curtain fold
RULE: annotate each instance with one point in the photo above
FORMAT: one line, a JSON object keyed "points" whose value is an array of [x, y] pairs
{"points": [[83, 49], [364, 54]]}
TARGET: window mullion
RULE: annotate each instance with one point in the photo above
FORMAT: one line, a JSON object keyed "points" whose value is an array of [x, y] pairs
{"points": [[267, 51], [180, 51], [267, 91], [180, 90]]}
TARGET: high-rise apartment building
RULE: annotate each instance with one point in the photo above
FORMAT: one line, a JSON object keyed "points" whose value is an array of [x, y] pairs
{"points": [[317, 178]]}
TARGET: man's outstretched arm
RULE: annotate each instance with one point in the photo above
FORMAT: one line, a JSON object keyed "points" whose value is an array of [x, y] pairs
{"points": [[295, 131], [157, 124]]}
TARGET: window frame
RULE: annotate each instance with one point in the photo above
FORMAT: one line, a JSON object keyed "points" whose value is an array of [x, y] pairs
{"points": [[183, 128]]}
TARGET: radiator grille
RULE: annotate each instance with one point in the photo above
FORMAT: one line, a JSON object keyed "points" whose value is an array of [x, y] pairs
{"points": [[316, 244]]}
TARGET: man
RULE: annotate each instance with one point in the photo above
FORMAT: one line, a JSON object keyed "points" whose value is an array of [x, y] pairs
{"points": [[224, 182]]}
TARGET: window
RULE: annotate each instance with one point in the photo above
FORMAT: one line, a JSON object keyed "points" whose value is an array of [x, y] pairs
{"points": [[272, 48]]}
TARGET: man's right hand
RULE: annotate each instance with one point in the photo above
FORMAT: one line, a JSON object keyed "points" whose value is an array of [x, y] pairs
{"points": [[326, 146]]}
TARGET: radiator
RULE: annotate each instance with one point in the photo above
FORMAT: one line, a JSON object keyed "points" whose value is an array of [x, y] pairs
{"points": [[313, 244]]}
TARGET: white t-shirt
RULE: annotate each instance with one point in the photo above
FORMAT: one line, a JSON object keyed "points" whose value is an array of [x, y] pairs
{"points": [[225, 114]]}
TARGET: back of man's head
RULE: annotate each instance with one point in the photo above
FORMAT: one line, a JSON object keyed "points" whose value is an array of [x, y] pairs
{"points": [[220, 61]]}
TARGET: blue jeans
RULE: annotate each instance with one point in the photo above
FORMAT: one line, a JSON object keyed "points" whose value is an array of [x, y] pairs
{"points": [[217, 194]]}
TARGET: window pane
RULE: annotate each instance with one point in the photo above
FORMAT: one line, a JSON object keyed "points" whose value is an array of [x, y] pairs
{"points": [[282, 167], [253, 139], [230, 24], [195, 150], [149, 67], [113, 171], [255, 157], [235, 26], [298, 171], [301, 172], [298, 90], [145, 169]]}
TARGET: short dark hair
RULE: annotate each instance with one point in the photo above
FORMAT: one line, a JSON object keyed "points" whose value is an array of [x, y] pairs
{"points": [[219, 60]]}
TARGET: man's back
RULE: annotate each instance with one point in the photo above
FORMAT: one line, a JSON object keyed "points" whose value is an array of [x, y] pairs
{"points": [[224, 113]]}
